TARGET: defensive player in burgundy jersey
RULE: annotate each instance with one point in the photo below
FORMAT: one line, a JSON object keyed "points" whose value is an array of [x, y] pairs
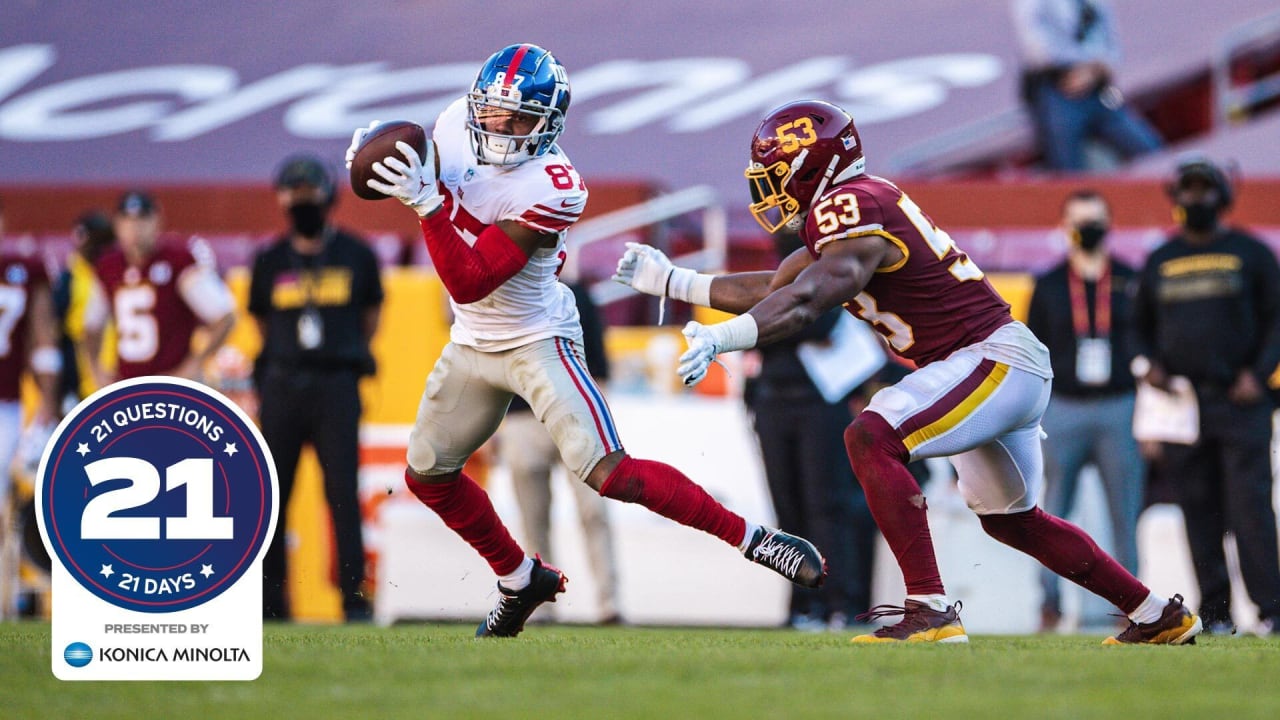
{"points": [[494, 222], [978, 395], [28, 343], [158, 293]]}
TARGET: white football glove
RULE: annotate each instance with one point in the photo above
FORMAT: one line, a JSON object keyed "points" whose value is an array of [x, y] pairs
{"points": [[645, 269], [648, 270], [358, 137], [708, 341], [695, 361], [412, 183]]}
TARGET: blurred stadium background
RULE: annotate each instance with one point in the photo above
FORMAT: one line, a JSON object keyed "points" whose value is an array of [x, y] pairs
{"points": [[200, 101]]}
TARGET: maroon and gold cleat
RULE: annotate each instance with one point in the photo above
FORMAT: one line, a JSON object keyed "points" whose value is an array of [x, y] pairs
{"points": [[1177, 626], [919, 623]]}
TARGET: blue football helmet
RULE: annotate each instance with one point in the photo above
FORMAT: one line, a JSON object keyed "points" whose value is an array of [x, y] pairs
{"points": [[518, 80]]}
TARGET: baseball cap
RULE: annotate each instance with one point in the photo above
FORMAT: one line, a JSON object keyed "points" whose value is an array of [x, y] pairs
{"points": [[136, 203], [1200, 167], [303, 170]]}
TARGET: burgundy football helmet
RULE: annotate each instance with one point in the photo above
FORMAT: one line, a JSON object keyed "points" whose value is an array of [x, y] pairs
{"points": [[798, 151]]}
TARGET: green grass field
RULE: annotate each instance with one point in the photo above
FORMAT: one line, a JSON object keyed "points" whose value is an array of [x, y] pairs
{"points": [[441, 671]]}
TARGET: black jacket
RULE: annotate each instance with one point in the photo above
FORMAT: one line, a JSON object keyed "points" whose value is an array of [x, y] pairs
{"points": [[1208, 312]]}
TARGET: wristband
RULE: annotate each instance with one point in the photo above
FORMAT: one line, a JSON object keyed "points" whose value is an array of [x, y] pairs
{"points": [[739, 333], [1139, 366], [689, 286], [46, 360], [429, 206]]}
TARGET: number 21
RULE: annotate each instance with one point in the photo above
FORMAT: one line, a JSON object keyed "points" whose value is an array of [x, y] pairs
{"points": [[99, 523]]}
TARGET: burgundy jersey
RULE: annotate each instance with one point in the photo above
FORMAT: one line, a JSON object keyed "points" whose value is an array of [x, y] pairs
{"points": [[928, 305], [154, 324], [18, 275]]}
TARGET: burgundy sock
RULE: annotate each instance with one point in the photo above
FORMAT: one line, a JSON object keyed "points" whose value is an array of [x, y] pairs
{"points": [[898, 505], [668, 492], [465, 508], [1070, 552]]}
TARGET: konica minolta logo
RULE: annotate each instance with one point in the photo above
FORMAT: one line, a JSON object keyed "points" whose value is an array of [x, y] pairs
{"points": [[78, 654], [176, 655]]}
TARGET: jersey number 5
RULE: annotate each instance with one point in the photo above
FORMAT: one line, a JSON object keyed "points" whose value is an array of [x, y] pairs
{"points": [[139, 334], [939, 241]]}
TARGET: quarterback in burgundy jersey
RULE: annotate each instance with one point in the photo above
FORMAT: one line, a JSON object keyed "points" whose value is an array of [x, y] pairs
{"points": [[495, 221], [979, 393], [158, 293]]}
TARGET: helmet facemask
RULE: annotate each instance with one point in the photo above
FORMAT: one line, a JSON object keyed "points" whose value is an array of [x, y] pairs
{"points": [[499, 148], [771, 205]]}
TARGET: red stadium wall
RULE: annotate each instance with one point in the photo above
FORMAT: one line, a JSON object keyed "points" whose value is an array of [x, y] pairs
{"points": [[40, 210], [231, 209]]}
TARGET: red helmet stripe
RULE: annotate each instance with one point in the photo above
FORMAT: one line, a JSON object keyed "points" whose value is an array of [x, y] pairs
{"points": [[514, 67]]}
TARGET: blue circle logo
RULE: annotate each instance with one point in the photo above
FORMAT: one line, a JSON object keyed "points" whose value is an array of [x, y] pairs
{"points": [[78, 654], [157, 494]]}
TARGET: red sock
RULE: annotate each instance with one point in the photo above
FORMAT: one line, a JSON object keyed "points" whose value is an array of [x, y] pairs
{"points": [[465, 508], [1070, 552], [668, 492], [880, 461]]}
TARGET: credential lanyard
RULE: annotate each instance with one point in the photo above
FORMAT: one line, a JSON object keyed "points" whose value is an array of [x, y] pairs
{"points": [[1101, 303]]}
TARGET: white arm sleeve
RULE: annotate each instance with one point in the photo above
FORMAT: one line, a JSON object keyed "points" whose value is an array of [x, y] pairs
{"points": [[205, 293]]}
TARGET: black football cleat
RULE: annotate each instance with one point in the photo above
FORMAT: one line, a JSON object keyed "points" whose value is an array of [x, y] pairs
{"points": [[515, 606], [791, 556]]}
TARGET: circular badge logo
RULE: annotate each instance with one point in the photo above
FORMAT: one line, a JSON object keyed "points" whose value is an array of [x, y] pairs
{"points": [[157, 494], [78, 654]]}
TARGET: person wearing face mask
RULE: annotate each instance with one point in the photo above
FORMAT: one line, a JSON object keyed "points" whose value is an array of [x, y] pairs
{"points": [[1082, 310], [316, 294], [1208, 309]]}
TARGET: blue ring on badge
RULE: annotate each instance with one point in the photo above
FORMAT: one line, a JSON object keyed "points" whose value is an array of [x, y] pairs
{"points": [[157, 494]]}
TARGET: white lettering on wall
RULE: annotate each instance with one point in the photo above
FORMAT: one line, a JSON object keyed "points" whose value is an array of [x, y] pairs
{"points": [[20, 64], [50, 113], [253, 98], [333, 113], [906, 87], [173, 103], [666, 85], [761, 95]]}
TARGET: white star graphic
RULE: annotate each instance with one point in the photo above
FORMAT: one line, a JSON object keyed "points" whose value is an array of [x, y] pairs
{"points": [[206, 570], [230, 449], [82, 449], [107, 571]]}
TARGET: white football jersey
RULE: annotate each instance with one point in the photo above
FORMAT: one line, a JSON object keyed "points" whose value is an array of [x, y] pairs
{"points": [[544, 194]]}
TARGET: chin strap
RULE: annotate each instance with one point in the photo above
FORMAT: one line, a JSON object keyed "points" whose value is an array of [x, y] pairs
{"points": [[826, 178]]}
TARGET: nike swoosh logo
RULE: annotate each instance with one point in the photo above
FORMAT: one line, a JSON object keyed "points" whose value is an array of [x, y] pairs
{"points": [[567, 203]]}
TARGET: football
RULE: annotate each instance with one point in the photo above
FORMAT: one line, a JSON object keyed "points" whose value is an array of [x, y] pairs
{"points": [[379, 144]]}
